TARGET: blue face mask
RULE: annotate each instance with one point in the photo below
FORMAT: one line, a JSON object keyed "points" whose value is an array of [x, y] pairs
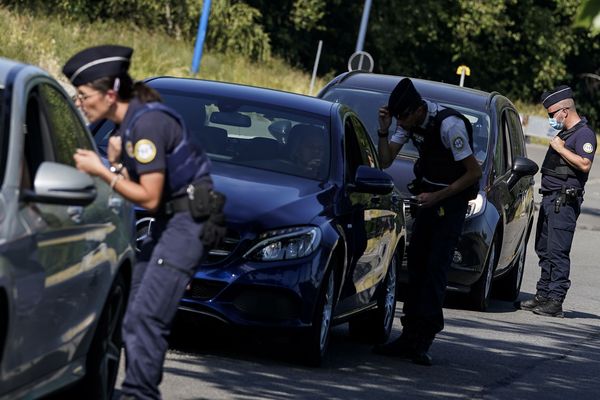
{"points": [[555, 124]]}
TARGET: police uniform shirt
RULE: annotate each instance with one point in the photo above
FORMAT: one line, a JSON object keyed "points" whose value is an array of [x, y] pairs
{"points": [[583, 143], [453, 133], [154, 135]]}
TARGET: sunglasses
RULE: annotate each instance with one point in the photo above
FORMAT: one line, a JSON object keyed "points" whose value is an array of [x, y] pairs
{"points": [[551, 114]]}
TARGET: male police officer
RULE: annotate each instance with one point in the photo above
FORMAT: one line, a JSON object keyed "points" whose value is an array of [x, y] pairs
{"points": [[564, 173], [447, 176]]}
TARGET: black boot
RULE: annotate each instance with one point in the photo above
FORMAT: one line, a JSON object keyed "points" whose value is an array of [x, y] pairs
{"points": [[420, 353], [551, 308], [532, 303]]}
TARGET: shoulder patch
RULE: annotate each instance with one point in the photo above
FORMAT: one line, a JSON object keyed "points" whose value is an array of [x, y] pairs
{"points": [[458, 143], [144, 151], [588, 148]]}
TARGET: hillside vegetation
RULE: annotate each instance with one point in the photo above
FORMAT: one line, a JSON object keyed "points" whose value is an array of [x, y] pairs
{"points": [[48, 41]]}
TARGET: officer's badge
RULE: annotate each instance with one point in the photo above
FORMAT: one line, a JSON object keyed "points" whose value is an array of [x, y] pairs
{"points": [[129, 148], [458, 143], [588, 148], [144, 151]]}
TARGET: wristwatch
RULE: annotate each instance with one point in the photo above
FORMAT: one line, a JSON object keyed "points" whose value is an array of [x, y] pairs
{"points": [[116, 168]]}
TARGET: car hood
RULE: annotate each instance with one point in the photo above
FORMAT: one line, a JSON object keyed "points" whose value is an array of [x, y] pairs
{"points": [[265, 199]]}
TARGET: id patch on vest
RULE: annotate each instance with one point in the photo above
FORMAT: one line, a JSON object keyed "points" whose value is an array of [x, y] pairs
{"points": [[458, 143], [588, 148], [144, 151], [129, 148]]}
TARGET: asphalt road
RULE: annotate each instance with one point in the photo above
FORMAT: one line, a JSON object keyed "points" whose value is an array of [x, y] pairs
{"points": [[500, 354]]}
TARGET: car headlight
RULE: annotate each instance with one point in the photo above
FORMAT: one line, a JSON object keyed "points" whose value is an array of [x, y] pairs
{"points": [[476, 205], [285, 244]]}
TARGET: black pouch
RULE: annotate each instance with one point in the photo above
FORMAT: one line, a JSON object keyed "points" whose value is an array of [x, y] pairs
{"points": [[199, 196]]}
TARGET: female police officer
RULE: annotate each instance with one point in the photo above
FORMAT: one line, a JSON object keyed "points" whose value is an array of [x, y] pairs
{"points": [[155, 171]]}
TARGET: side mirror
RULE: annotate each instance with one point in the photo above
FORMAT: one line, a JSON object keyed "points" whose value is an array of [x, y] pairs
{"points": [[371, 180], [521, 167], [61, 184]]}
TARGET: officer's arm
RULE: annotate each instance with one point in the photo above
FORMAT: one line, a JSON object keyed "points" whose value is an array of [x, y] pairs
{"points": [[387, 151], [146, 194], [575, 160], [470, 177]]}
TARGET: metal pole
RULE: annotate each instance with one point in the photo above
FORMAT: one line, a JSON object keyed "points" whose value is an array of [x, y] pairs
{"points": [[363, 26], [202, 25], [314, 73], [462, 77]]}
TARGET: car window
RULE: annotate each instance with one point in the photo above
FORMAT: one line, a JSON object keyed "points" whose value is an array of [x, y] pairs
{"points": [[517, 139], [256, 135], [38, 147], [366, 103], [368, 153], [355, 155], [68, 132], [3, 139], [507, 140]]}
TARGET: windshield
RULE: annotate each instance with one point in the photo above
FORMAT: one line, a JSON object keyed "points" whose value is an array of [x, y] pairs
{"points": [[256, 135], [366, 103]]}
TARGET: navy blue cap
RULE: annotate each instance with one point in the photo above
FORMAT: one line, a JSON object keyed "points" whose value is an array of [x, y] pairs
{"points": [[97, 62], [555, 95], [404, 97]]}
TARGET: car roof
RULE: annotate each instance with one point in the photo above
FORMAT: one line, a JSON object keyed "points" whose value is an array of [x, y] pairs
{"points": [[254, 94], [442, 92]]}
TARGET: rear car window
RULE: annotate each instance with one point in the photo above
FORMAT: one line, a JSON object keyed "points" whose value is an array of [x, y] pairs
{"points": [[366, 103]]}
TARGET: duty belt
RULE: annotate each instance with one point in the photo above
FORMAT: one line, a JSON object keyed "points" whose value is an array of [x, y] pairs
{"points": [[178, 204], [571, 191]]}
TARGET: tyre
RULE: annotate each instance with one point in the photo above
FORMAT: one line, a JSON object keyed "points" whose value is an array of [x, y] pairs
{"points": [[479, 298], [375, 326], [104, 355], [509, 286], [316, 340]]}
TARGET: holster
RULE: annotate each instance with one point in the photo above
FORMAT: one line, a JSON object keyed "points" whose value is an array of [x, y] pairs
{"points": [[204, 201]]}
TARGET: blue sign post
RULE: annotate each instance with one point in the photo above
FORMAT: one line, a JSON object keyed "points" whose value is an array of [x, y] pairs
{"points": [[202, 25], [363, 26]]}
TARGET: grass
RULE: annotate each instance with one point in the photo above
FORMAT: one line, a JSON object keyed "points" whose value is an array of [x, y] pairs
{"points": [[48, 41]]}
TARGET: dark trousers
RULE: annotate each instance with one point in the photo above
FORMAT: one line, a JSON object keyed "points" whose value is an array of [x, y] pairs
{"points": [[553, 239], [164, 268], [434, 237]]}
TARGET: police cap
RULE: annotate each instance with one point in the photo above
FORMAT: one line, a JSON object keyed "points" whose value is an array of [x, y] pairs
{"points": [[97, 62], [555, 95], [404, 98]]}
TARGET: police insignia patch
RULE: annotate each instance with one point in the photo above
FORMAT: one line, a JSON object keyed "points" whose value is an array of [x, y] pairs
{"points": [[458, 143], [144, 151], [588, 148], [129, 148]]}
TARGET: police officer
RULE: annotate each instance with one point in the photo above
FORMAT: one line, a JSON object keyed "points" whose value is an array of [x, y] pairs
{"points": [[447, 176], [153, 164], [564, 172]]}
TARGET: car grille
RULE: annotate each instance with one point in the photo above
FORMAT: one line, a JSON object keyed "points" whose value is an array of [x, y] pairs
{"points": [[224, 250], [204, 289]]}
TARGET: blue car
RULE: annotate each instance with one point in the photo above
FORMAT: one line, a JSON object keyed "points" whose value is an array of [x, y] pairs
{"points": [[315, 227]]}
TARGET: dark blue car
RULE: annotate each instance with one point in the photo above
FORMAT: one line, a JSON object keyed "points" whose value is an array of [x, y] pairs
{"points": [[315, 227]]}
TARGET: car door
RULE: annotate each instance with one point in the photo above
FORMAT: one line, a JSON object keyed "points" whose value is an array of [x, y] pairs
{"points": [[372, 228], [58, 265], [509, 196]]}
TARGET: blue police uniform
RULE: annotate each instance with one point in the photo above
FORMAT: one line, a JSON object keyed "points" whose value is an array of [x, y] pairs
{"points": [[442, 144], [154, 139], [562, 189]]}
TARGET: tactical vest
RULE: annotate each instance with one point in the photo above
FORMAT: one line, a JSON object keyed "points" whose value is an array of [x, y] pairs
{"points": [[554, 165], [185, 164], [436, 162]]}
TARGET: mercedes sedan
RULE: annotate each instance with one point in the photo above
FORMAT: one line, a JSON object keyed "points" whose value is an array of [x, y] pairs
{"points": [[315, 227]]}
